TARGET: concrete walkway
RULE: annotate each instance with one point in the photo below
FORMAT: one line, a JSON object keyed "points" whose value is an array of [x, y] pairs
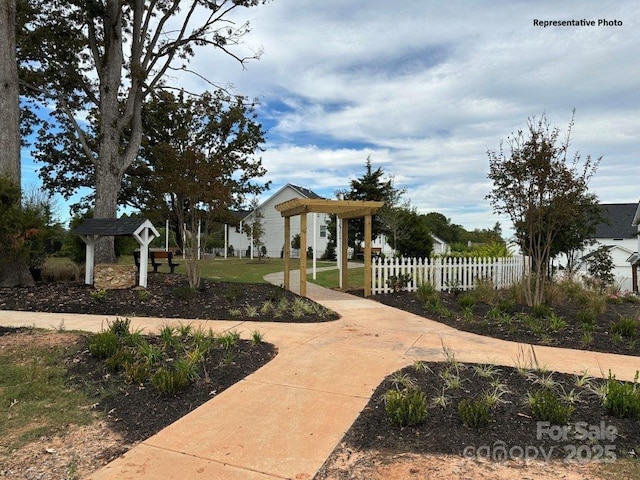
{"points": [[284, 420]]}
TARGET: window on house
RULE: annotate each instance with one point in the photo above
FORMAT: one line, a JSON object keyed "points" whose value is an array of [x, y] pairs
{"points": [[323, 231]]}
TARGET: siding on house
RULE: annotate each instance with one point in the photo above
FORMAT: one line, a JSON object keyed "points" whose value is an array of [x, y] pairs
{"points": [[621, 236], [273, 224]]}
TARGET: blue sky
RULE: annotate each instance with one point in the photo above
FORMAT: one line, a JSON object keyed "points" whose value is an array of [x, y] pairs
{"points": [[426, 87]]}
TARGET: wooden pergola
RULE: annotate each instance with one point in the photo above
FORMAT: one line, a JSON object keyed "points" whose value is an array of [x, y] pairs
{"points": [[344, 210]]}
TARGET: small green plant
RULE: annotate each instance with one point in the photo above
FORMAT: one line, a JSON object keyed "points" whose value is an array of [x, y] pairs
{"points": [[496, 395], [426, 291], [406, 407], [228, 340], [484, 290], [541, 311], [626, 327], [441, 400], [251, 311], [466, 301], [184, 330], [137, 371], [398, 282], [235, 312], [103, 344], [116, 362], [266, 307], [228, 358], [586, 317], [256, 337], [99, 295], [547, 406], [420, 366], [622, 399], [142, 294], [474, 413], [556, 322], [185, 292], [169, 381], [486, 370], [168, 336]]}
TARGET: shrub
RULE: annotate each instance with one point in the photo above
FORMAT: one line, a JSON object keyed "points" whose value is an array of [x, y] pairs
{"points": [[99, 295], [59, 271], [541, 311], [625, 327], [485, 291], [136, 372], [426, 292], [185, 292], [168, 381], [103, 345], [120, 327], [398, 282], [117, 361], [586, 317], [474, 413], [406, 407], [466, 301], [547, 406], [622, 399]]}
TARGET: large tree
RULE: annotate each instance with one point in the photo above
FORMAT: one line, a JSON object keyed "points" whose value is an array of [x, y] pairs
{"points": [[9, 95], [215, 134], [103, 58], [542, 191]]}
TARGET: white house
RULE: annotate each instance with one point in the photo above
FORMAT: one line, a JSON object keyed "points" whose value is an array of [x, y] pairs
{"points": [[273, 224], [620, 234]]}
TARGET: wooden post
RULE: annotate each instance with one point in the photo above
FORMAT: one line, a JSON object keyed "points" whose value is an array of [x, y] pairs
{"points": [[287, 252], [303, 254], [367, 255], [343, 254]]}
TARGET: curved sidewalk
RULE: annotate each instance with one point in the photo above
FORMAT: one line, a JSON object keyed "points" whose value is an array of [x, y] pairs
{"points": [[284, 420]]}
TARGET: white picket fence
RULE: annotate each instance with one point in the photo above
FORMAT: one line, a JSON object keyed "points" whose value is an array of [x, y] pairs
{"points": [[446, 273]]}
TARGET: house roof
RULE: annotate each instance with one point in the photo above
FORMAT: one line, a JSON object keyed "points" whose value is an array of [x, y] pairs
{"points": [[305, 192], [621, 217], [110, 226]]}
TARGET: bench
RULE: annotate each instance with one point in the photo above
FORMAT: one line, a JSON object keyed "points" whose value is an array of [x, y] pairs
{"points": [[155, 257], [375, 253]]}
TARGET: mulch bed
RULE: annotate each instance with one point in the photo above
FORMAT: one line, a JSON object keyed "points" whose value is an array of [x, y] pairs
{"points": [[512, 424], [517, 330], [166, 296]]}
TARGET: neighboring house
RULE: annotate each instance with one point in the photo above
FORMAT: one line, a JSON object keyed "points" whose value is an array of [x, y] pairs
{"points": [[273, 224], [620, 235], [440, 247]]}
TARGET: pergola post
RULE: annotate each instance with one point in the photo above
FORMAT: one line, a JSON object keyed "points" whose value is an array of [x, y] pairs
{"points": [[287, 252], [367, 255], [303, 254], [344, 226]]}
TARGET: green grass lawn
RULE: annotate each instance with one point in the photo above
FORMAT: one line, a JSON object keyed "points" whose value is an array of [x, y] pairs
{"points": [[241, 270], [331, 278]]}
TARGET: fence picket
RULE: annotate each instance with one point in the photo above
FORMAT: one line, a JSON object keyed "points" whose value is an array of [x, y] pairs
{"points": [[446, 273]]}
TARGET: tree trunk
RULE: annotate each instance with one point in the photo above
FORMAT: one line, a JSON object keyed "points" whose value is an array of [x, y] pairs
{"points": [[9, 94], [109, 171]]}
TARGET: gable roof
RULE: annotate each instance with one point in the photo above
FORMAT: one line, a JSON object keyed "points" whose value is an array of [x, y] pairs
{"points": [[110, 226], [621, 217], [305, 192]]}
